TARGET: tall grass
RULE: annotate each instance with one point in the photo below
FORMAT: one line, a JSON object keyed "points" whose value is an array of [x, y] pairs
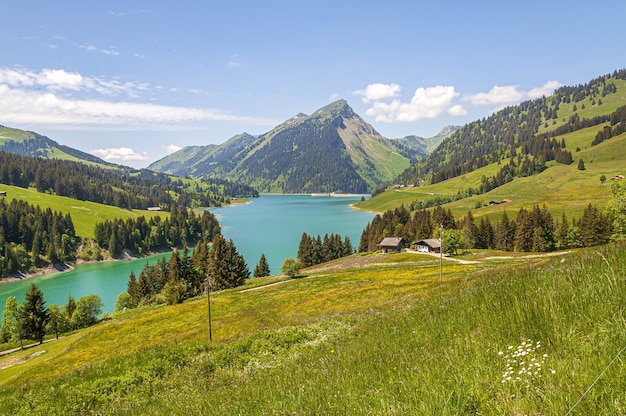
{"points": [[429, 349]]}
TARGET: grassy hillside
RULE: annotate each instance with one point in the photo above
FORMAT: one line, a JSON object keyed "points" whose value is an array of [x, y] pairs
{"points": [[562, 188], [84, 214], [376, 335]]}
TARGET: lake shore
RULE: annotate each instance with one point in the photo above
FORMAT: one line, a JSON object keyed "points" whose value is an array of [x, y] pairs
{"points": [[65, 267]]}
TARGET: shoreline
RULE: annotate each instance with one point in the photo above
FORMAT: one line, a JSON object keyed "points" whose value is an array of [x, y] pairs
{"points": [[65, 267]]}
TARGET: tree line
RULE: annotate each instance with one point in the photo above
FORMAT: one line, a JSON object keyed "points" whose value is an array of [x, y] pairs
{"points": [[315, 250], [32, 237], [183, 227], [185, 276], [531, 230], [33, 320], [123, 187]]}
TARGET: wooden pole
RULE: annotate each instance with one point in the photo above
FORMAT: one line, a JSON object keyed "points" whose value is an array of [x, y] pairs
{"points": [[209, 287], [440, 253]]}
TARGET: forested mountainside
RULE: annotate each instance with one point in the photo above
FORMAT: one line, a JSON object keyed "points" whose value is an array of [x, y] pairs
{"points": [[123, 187], [525, 133], [331, 150], [28, 143]]}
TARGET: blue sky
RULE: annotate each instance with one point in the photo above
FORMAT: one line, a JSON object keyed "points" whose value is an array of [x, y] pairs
{"points": [[131, 81]]}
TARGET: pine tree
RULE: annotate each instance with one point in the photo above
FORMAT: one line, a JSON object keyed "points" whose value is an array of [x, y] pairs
{"points": [[594, 227], [523, 231], [305, 250], [262, 269], [132, 288], [581, 165], [470, 229], [70, 307], [34, 315], [239, 271], [227, 267]]}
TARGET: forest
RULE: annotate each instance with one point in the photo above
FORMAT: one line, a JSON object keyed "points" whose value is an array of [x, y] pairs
{"points": [[531, 230], [31, 237], [185, 276], [128, 189]]}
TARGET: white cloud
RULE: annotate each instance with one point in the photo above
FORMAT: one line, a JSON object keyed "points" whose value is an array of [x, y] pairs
{"points": [[121, 153], [546, 89], [59, 79], [457, 110], [172, 148], [497, 95], [377, 91], [47, 108], [426, 103]]}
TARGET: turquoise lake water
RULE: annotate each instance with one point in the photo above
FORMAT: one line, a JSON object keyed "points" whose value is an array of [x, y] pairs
{"points": [[270, 225]]}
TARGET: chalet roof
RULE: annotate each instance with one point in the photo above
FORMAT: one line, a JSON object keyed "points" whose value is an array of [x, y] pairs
{"points": [[430, 242], [390, 242]]}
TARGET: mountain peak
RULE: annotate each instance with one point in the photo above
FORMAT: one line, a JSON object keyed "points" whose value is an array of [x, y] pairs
{"points": [[339, 108]]}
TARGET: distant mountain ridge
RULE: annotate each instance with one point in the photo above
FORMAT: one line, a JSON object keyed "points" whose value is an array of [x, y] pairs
{"points": [[331, 150], [31, 144]]}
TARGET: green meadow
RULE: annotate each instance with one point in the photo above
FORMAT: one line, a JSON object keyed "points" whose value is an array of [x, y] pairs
{"points": [[84, 214], [562, 188], [504, 334]]}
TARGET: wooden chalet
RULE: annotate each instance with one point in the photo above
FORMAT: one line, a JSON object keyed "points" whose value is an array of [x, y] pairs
{"points": [[391, 245], [429, 245]]}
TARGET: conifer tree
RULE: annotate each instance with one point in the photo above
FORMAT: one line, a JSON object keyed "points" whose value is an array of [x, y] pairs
{"points": [[34, 315], [227, 267], [305, 250], [594, 227], [70, 307], [262, 269], [132, 287], [523, 231]]}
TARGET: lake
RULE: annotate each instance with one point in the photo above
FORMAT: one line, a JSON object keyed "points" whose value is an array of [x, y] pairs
{"points": [[270, 225]]}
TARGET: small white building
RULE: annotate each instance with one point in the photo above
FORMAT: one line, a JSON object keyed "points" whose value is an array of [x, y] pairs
{"points": [[429, 245]]}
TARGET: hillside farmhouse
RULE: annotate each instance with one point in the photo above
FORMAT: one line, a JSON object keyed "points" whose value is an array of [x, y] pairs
{"points": [[391, 245], [429, 245]]}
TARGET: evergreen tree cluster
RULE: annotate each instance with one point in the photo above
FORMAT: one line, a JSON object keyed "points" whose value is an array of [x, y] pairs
{"points": [[532, 230], [185, 276], [183, 227], [315, 250], [123, 187], [617, 126], [32, 320], [399, 223], [31, 237]]}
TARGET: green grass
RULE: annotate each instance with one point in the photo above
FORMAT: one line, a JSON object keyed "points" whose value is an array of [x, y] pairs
{"points": [[379, 335], [562, 188], [84, 214]]}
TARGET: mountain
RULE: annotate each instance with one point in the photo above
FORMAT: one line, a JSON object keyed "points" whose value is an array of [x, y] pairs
{"points": [[31, 144], [527, 136], [331, 150], [419, 148]]}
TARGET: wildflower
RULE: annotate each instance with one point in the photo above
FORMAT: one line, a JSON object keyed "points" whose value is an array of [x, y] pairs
{"points": [[523, 362]]}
